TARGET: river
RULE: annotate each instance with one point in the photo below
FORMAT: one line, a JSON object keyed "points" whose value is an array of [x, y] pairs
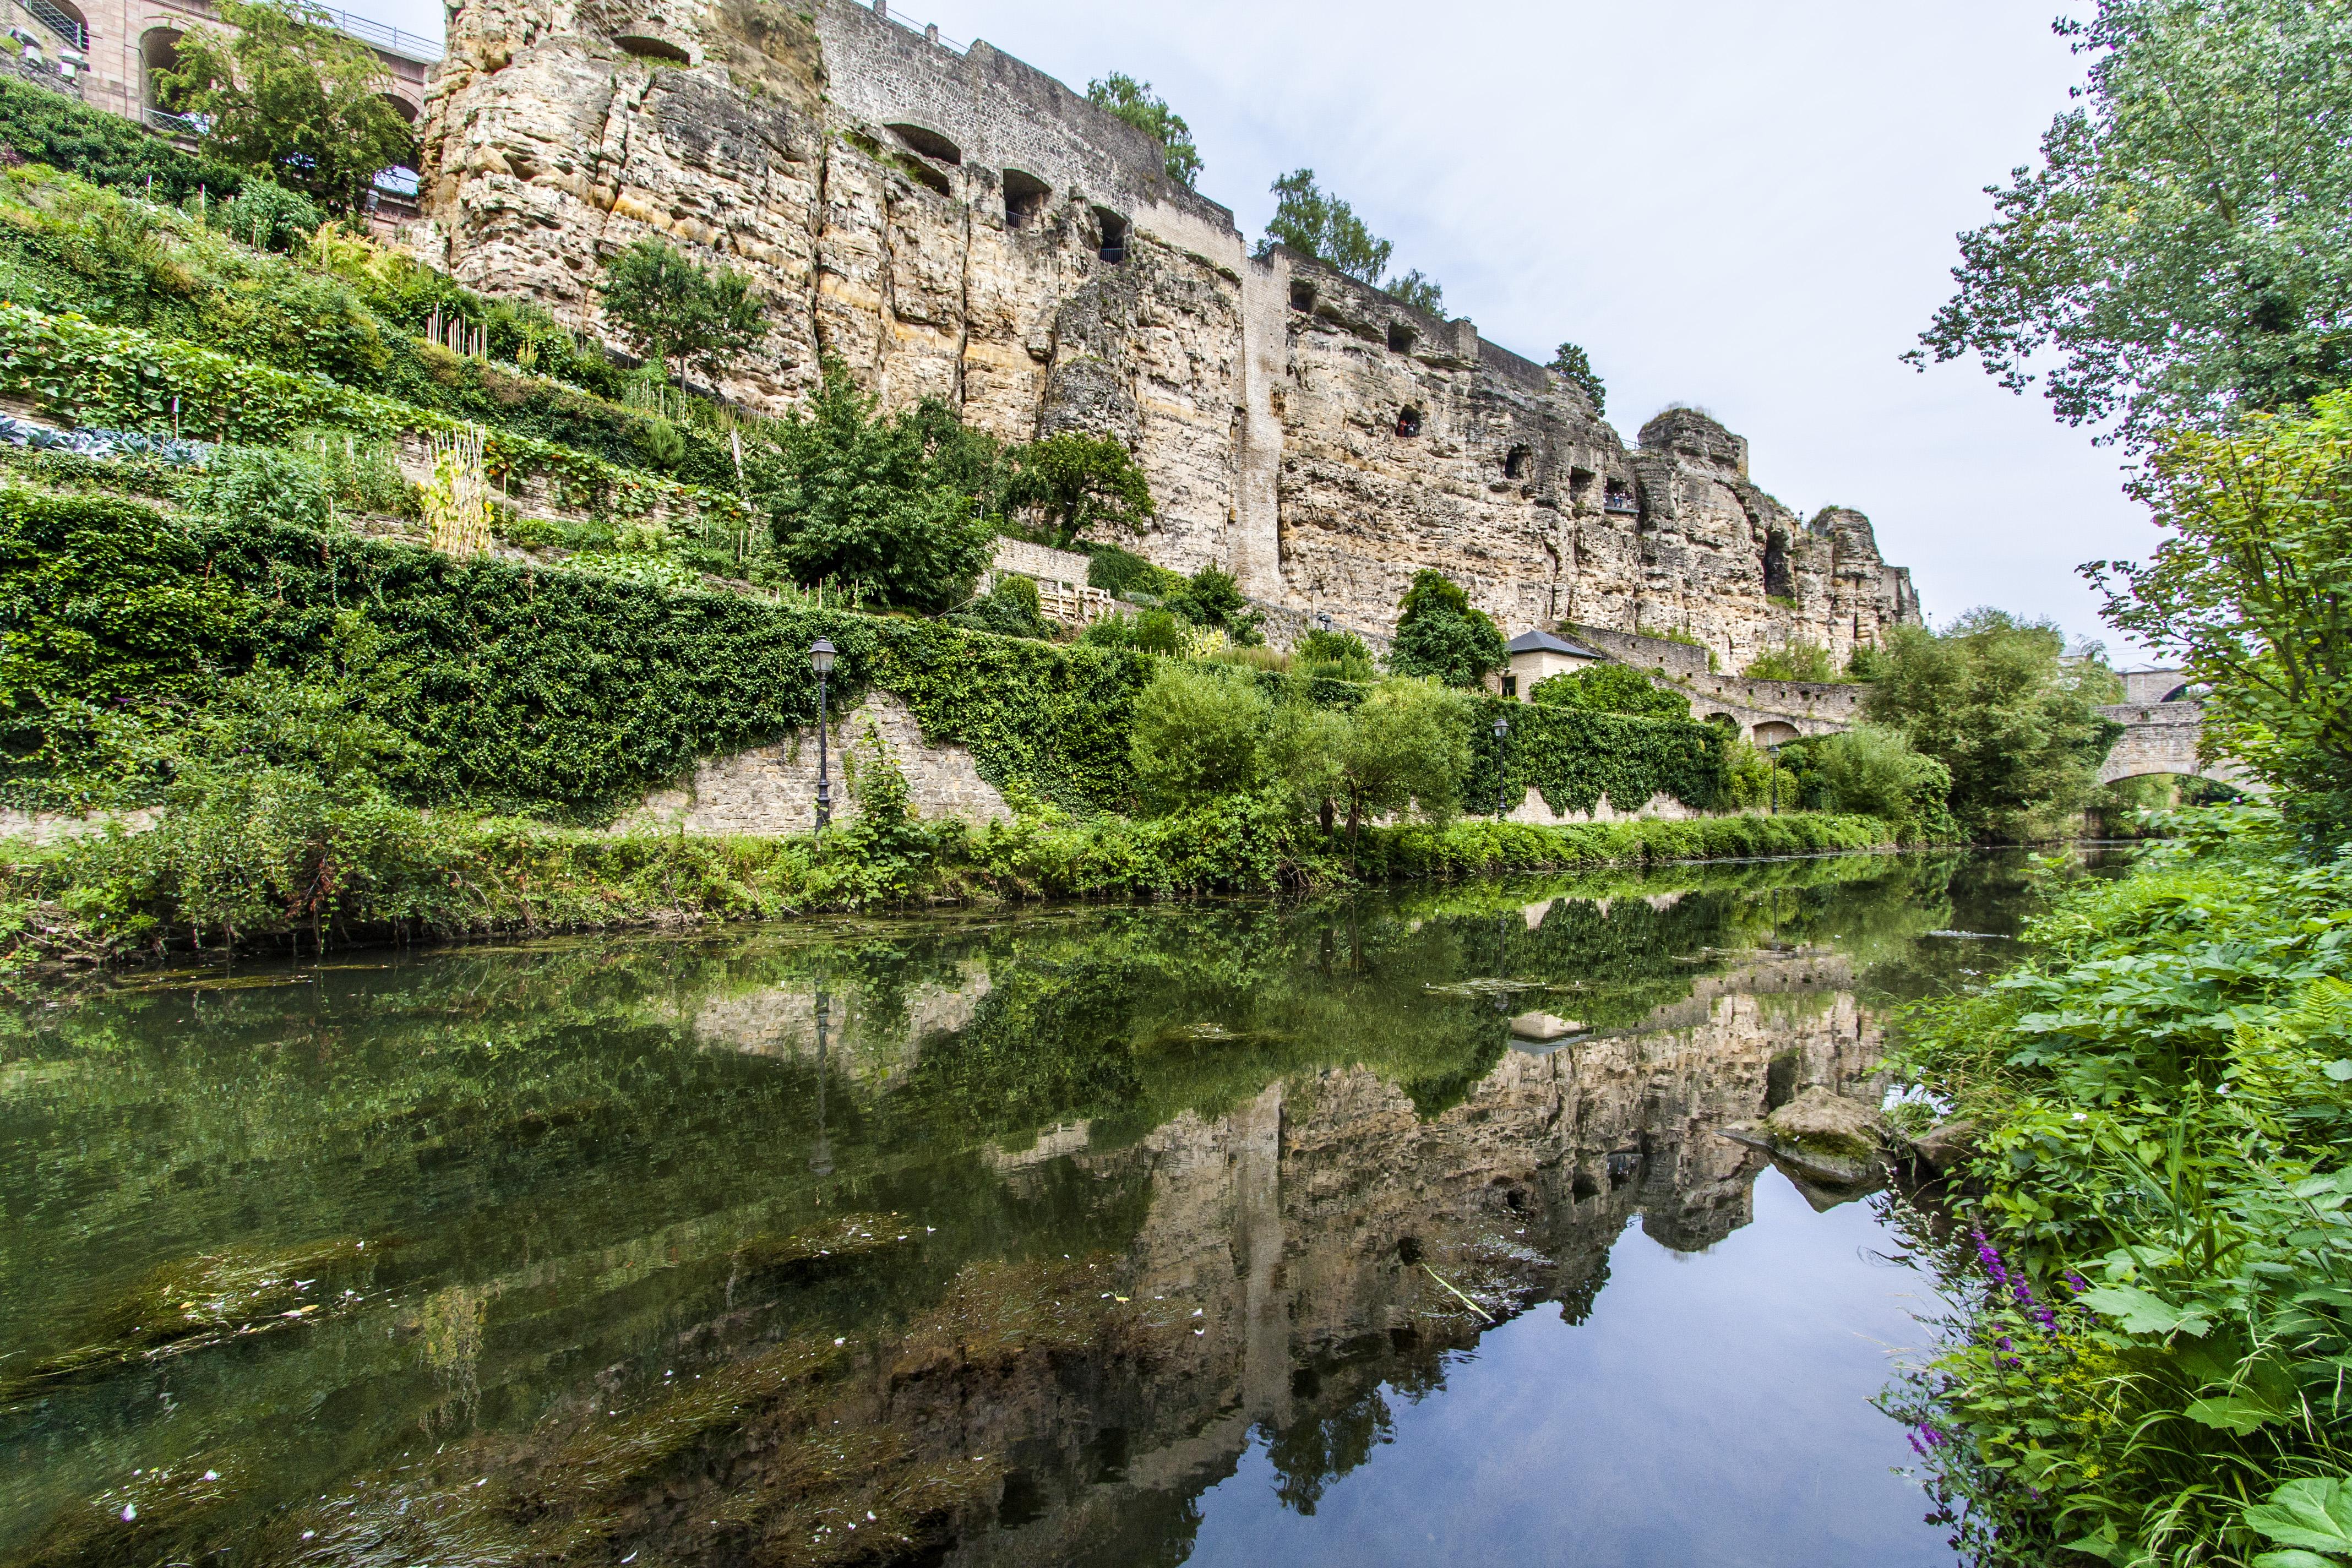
{"points": [[1389, 1229]]}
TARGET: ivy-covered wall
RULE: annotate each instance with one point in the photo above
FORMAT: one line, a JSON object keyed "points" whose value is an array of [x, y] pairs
{"points": [[570, 693]]}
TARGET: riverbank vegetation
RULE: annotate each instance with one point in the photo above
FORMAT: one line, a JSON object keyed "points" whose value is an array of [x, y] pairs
{"points": [[2151, 1273]]}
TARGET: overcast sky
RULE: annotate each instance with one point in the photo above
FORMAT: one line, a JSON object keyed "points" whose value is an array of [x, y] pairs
{"points": [[1748, 207]]}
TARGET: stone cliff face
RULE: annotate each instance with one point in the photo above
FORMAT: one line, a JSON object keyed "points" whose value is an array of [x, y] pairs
{"points": [[963, 226]]}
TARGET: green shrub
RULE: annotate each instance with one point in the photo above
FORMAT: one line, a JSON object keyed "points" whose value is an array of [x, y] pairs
{"points": [[1575, 758], [1148, 631], [1337, 656], [1009, 609], [105, 149], [1873, 772], [858, 500], [1199, 735], [1798, 660], [267, 217], [266, 485], [1611, 689]]}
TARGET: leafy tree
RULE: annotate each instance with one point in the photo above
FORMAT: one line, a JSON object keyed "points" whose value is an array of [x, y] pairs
{"points": [[1440, 636], [1199, 734], [862, 501], [2254, 589], [1796, 660], [1405, 746], [669, 310], [292, 98], [1324, 228], [2182, 249], [1996, 701], [1134, 102], [1576, 369], [1077, 482], [1611, 689], [1418, 291]]}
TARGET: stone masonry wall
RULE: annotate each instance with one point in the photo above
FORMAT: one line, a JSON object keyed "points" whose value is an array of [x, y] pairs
{"points": [[960, 225], [772, 790]]}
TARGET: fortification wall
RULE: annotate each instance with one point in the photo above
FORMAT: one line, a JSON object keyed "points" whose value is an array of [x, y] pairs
{"points": [[963, 227]]}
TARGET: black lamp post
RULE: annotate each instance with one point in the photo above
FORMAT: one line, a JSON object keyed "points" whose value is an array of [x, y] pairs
{"points": [[1502, 729], [821, 657], [1773, 753]]}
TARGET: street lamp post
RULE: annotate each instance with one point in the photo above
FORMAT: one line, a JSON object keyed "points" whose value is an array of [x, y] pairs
{"points": [[1502, 729], [1773, 754], [1323, 621], [821, 1151], [820, 654]]}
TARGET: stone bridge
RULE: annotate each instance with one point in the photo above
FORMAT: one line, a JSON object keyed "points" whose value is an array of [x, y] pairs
{"points": [[2163, 720]]}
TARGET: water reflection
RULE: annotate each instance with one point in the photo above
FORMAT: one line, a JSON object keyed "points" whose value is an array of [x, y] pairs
{"points": [[1002, 1238]]}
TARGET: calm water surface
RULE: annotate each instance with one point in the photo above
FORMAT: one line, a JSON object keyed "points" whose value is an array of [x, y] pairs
{"points": [[1216, 1235]]}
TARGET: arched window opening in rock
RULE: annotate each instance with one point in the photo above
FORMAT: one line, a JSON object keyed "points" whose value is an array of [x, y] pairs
{"points": [[1024, 198], [400, 106], [1515, 463], [1114, 235], [1778, 584], [1579, 487], [647, 47], [1773, 732], [1302, 294], [1408, 420], [1617, 498], [1401, 338], [926, 141]]}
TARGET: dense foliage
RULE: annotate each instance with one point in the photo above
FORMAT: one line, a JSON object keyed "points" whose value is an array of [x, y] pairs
{"points": [[1796, 660], [1439, 635], [874, 503], [104, 149], [2182, 250], [291, 97], [1611, 688], [1135, 103], [2154, 1332], [1999, 703], [1076, 483], [2254, 590]]}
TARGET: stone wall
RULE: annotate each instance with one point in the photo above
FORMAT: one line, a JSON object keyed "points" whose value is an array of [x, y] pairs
{"points": [[772, 790], [961, 225]]}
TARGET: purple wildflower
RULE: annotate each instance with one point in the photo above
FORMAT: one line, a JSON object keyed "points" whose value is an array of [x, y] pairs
{"points": [[1988, 1255]]}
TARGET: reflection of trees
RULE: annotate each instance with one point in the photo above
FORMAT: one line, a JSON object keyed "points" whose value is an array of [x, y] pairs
{"points": [[568, 1160], [1313, 1452]]}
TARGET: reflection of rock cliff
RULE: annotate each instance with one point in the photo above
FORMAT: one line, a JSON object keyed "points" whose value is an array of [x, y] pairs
{"points": [[960, 225], [1295, 1253], [1305, 1225]]}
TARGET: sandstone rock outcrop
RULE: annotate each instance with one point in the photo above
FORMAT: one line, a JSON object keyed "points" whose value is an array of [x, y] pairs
{"points": [[960, 225]]}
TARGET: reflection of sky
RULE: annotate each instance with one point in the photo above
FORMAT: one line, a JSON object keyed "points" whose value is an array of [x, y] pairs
{"points": [[1715, 1409]]}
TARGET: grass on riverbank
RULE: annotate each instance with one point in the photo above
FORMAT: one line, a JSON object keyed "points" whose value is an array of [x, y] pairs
{"points": [[2149, 1361], [276, 859]]}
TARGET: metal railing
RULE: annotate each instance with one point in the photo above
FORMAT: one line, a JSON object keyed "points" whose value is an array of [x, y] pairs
{"points": [[930, 32], [57, 22], [391, 40], [172, 124], [397, 181]]}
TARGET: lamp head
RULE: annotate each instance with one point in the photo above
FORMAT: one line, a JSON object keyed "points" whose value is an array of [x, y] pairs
{"points": [[820, 654], [1501, 726]]}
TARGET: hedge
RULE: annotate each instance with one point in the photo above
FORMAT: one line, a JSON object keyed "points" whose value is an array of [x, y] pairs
{"points": [[129, 379], [104, 149]]}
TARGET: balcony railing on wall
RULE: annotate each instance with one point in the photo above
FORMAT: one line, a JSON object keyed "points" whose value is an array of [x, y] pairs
{"points": [[57, 22], [392, 40]]}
